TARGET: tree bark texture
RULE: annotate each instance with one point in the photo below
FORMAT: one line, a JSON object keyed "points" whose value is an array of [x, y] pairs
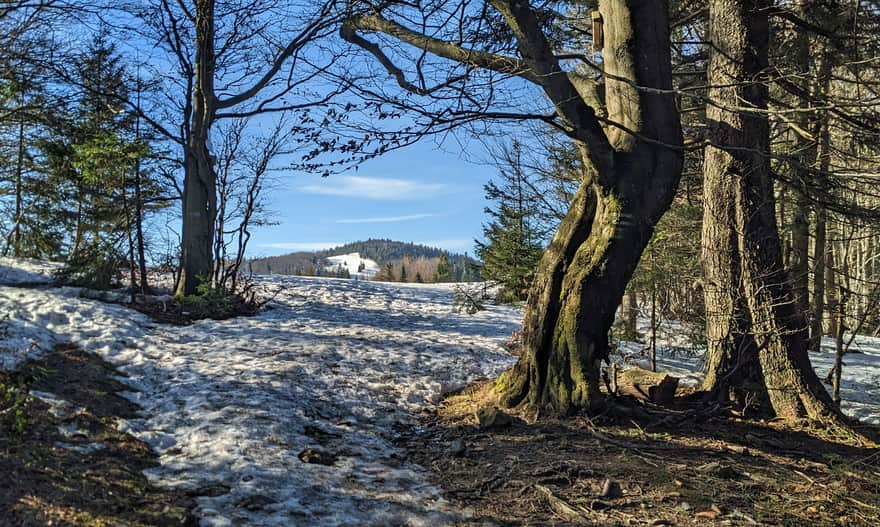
{"points": [[632, 174], [805, 148], [738, 157], [731, 353], [199, 192]]}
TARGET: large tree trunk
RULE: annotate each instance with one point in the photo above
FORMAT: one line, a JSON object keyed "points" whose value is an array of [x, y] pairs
{"points": [[731, 365], [739, 152], [582, 277], [200, 181], [805, 148]]}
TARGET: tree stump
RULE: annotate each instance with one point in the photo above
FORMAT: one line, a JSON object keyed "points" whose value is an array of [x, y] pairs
{"points": [[659, 388]]}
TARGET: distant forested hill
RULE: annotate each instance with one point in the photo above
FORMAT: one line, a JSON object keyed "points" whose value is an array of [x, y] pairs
{"points": [[383, 251], [392, 256], [299, 263]]}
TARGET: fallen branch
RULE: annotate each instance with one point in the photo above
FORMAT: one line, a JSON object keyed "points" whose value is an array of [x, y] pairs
{"points": [[560, 506]]}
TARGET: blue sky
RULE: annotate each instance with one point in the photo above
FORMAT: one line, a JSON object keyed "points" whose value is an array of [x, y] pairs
{"points": [[424, 193]]}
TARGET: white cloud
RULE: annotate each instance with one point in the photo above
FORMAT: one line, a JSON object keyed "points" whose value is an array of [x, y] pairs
{"points": [[374, 188], [389, 219], [301, 246]]}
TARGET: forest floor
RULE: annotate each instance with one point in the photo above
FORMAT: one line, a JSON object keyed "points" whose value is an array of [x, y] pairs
{"points": [[68, 465], [683, 466]]}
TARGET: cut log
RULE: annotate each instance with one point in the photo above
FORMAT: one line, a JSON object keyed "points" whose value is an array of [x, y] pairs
{"points": [[659, 388]]}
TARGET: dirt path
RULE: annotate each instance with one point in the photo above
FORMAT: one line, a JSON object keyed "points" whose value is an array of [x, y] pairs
{"points": [[68, 465]]}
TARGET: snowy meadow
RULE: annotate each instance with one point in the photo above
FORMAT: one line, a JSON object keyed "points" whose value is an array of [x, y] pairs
{"points": [[331, 367]]}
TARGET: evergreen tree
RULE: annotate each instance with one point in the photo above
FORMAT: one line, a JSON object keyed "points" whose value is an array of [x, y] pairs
{"points": [[403, 277], [442, 273], [513, 244], [93, 154]]}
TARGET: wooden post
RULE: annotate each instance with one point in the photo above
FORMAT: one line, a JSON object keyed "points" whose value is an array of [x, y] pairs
{"points": [[598, 36]]}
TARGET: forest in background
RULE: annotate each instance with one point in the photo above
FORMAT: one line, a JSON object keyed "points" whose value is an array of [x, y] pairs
{"points": [[398, 262]]}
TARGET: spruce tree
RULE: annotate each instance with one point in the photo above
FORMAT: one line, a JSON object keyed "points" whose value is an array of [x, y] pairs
{"points": [[513, 243], [93, 153], [442, 273]]}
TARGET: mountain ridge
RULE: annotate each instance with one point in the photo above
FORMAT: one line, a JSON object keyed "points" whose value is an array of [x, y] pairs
{"points": [[383, 251]]}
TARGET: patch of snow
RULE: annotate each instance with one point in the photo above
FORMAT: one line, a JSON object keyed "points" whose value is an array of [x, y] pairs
{"points": [[334, 365], [58, 408], [18, 271], [859, 385], [352, 262]]}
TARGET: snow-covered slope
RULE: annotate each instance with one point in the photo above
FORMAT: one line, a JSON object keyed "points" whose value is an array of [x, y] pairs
{"points": [[16, 271], [335, 365], [352, 263]]}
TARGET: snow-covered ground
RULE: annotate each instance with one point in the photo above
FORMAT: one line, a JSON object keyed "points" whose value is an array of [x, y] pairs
{"points": [[334, 365], [352, 262], [859, 386], [19, 271]]}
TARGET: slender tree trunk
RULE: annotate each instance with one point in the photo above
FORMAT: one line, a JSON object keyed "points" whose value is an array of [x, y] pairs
{"points": [[200, 180], [130, 238], [139, 229], [739, 153], [78, 230], [139, 206], [629, 311], [819, 250], [19, 193], [830, 319], [839, 349], [582, 277]]}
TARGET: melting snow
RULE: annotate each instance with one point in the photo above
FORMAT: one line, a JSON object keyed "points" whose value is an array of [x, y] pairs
{"points": [[333, 365], [859, 384], [20, 271]]}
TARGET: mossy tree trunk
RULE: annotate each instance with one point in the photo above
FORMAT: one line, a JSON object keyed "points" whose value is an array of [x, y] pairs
{"points": [[632, 157], [629, 184]]}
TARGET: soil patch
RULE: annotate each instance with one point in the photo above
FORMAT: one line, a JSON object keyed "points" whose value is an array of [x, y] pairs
{"points": [[683, 466], [69, 465], [177, 313]]}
